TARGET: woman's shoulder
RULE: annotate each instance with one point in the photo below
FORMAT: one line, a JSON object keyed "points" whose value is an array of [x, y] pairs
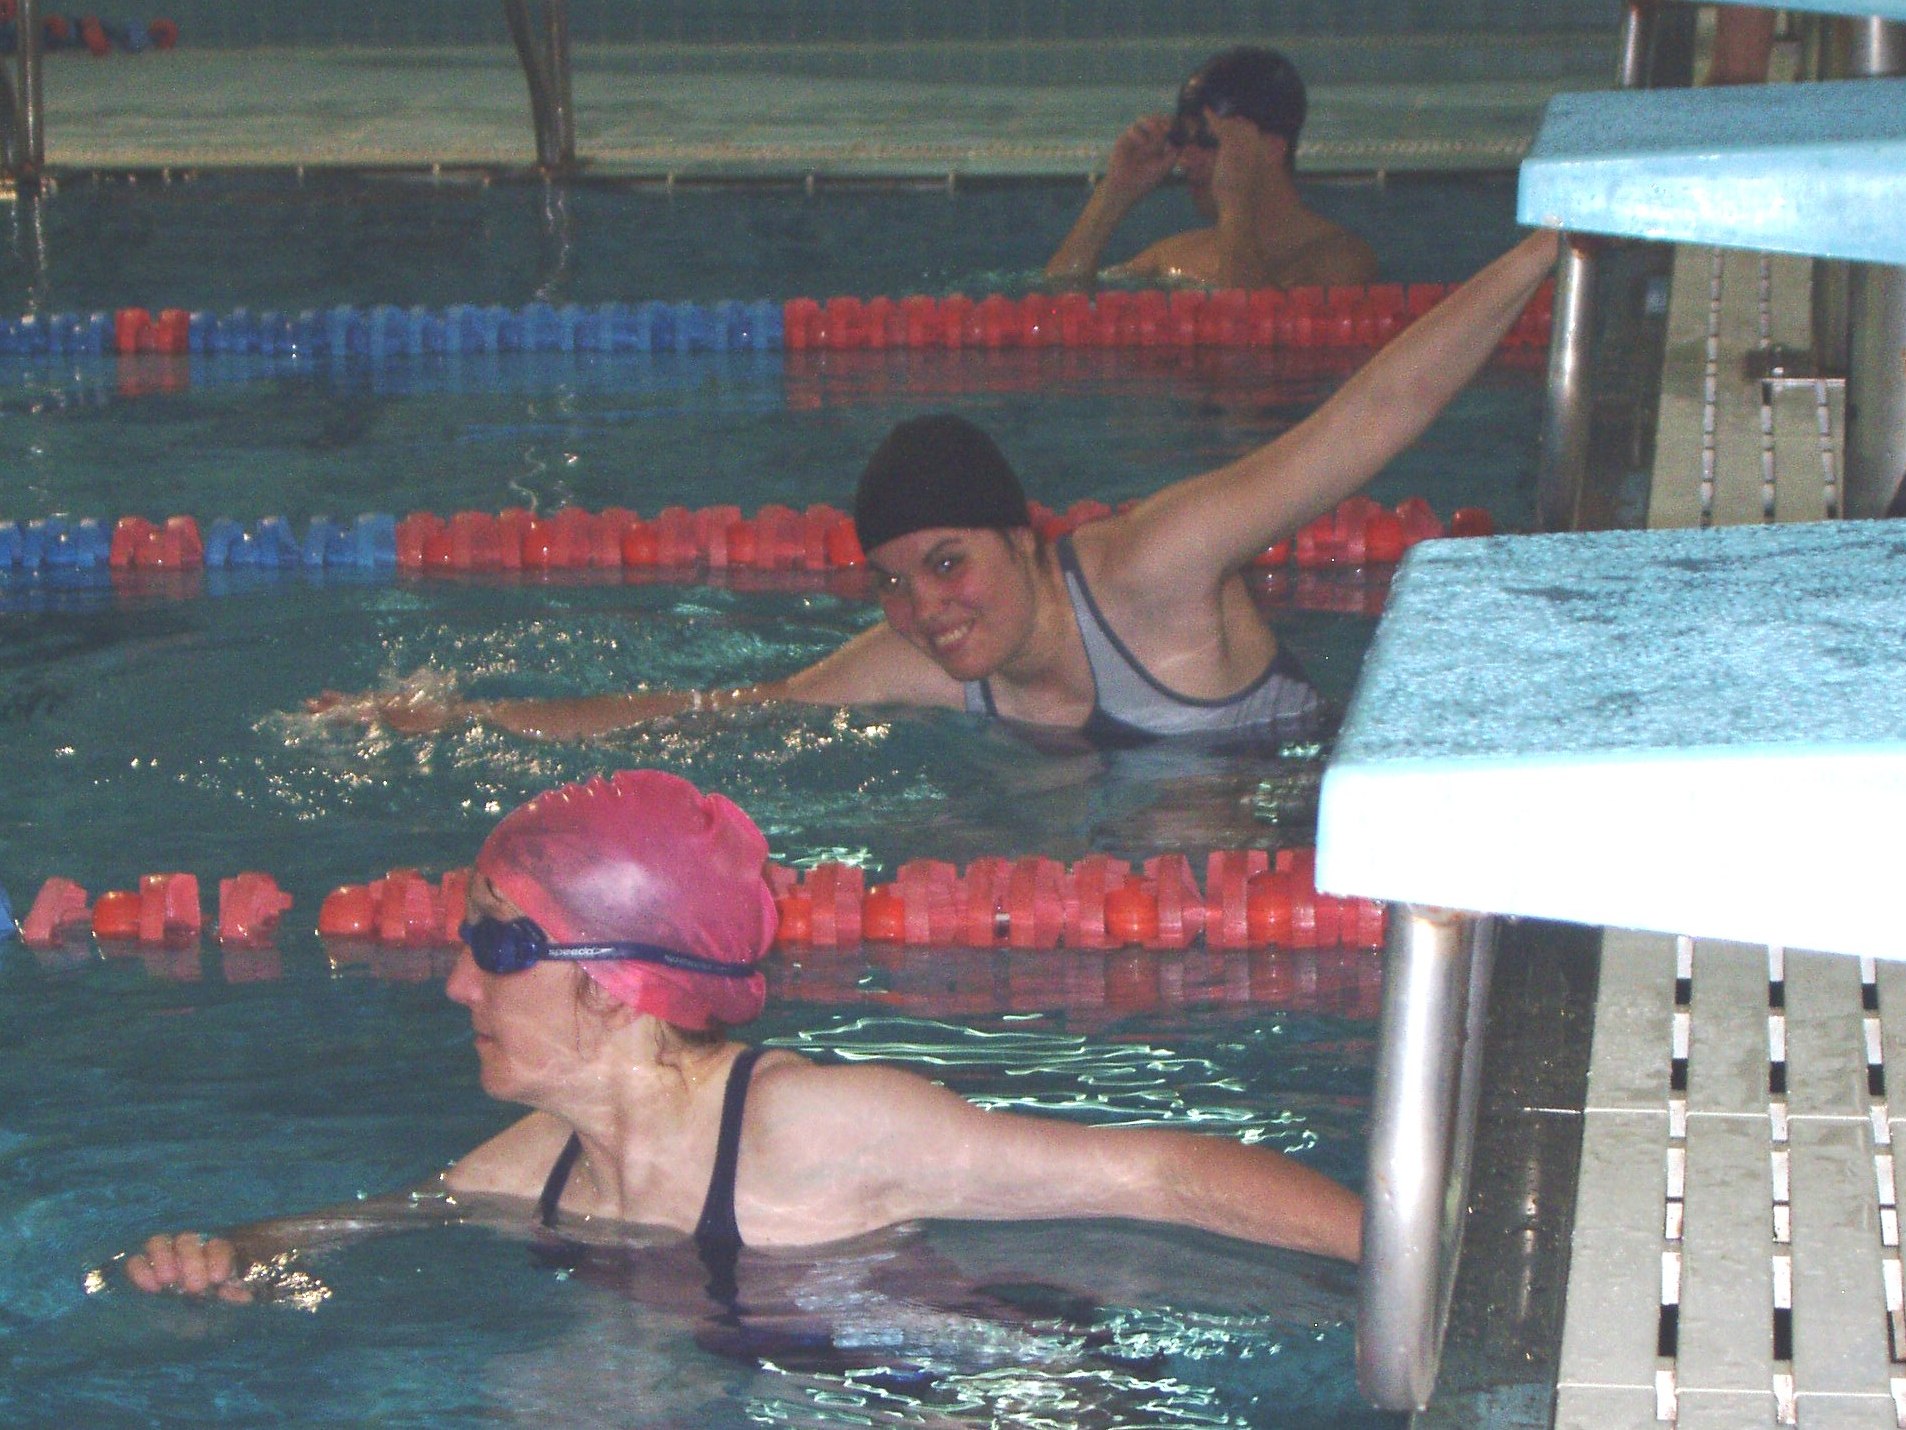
{"points": [[798, 1102], [515, 1162]]}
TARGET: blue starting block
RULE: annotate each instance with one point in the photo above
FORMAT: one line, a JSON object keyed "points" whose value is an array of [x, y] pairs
{"points": [[1812, 169], [1665, 730]]}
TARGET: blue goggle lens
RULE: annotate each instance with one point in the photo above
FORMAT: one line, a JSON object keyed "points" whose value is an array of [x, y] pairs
{"points": [[500, 947]]}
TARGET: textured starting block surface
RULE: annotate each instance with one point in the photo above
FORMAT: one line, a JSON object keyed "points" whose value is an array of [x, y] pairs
{"points": [[1816, 169], [1683, 731]]}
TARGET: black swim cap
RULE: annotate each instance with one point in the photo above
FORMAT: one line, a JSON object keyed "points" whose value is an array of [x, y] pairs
{"points": [[938, 470], [1260, 84]]}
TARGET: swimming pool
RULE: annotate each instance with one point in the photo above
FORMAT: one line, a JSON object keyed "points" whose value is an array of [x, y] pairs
{"points": [[148, 732]]}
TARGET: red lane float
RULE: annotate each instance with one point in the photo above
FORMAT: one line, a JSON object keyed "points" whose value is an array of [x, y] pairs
{"points": [[1089, 985], [720, 538], [1250, 899], [164, 910], [1339, 317], [138, 544], [403, 907], [60, 911], [777, 538], [250, 906]]}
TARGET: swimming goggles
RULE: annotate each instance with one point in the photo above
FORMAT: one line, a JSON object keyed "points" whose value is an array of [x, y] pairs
{"points": [[500, 947], [1189, 127]]}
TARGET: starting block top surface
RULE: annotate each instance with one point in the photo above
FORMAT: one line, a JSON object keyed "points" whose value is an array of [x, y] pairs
{"points": [[1694, 732], [1812, 169], [1881, 9]]}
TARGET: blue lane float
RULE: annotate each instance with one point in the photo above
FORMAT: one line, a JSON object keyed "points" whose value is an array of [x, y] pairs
{"points": [[385, 331]]}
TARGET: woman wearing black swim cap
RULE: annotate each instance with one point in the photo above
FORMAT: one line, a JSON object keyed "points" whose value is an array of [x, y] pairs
{"points": [[1140, 625]]}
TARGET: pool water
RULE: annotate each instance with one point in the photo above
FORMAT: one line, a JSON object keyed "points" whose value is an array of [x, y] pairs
{"points": [[155, 726]]}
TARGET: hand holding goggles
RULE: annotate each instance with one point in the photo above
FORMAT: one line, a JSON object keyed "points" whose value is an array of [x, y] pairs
{"points": [[1189, 126], [1189, 130], [500, 947]]}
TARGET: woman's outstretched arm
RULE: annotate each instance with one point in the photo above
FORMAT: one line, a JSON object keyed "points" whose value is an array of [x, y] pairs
{"points": [[1203, 528]]}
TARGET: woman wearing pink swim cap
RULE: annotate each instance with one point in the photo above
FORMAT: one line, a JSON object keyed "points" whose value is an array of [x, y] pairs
{"points": [[613, 936]]}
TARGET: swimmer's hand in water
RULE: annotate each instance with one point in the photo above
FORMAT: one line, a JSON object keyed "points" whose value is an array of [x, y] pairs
{"points": [[407, 711], [190, 1265], [422, 703]]}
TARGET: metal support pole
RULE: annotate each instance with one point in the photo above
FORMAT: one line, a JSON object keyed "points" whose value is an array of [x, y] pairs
{"points": [[562, 116], [1875, 389], [1566, 416], [1878, 49], [1428, 1078], [1876, 327], [1637, 42], [32, 95], [546, 70], [516, 15]]}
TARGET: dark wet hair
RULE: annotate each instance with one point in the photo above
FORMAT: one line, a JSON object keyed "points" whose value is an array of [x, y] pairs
{"points": [[937, 470], [1261, 85]]}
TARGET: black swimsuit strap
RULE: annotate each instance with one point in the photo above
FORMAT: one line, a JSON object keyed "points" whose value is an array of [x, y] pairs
{"points": [[717, 1234], [717, 1227], [558, 1179]]}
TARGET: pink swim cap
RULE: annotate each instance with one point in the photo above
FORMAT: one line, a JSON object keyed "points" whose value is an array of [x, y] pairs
{"points": [[644, 857]]}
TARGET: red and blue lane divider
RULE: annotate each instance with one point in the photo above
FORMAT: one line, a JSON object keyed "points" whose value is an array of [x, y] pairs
{"points": [[1250, 898], [88, 32], [717, 538], [1349, 317]]}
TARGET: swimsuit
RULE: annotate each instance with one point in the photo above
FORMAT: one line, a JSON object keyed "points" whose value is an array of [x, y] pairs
{"points": [[1129, 704], [717, 1236]]}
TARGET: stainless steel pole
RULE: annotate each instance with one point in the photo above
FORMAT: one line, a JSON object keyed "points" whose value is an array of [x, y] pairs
{"points": [[562, 117], [516, 16], [1428, 1080], [1876, 321], [1563, 461], [1637, 39], [32, 94]]}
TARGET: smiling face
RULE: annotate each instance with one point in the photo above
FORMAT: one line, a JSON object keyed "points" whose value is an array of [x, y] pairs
{"points": [[965, 597], [527, 1024]]}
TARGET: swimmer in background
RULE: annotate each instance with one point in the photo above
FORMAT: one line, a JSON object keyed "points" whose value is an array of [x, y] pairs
{"points": [[614, 931], [1136, 626], [1234, 136]]}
